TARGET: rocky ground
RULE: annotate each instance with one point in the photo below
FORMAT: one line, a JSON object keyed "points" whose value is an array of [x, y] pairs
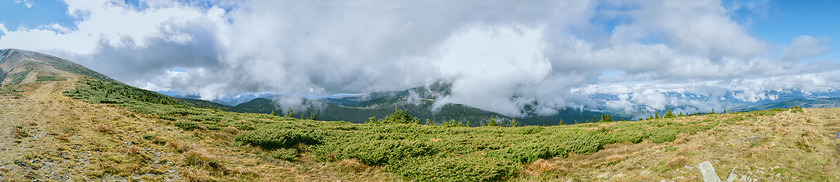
{"points": [[785, 146]]}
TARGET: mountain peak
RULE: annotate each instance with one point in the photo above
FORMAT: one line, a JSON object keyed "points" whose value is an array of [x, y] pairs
{"points": [[22, 66]]}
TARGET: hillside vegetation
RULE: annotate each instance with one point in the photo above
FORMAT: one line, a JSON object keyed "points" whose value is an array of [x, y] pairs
{"points": [[82, 128], [417, 151], [443, 152]]}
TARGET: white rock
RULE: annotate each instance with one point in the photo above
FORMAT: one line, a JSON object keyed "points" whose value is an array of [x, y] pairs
{"points": [[708, 172], [732, 175]]}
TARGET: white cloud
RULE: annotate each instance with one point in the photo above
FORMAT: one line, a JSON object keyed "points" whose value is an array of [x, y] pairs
{"points": [[500, 55], [489, 64], [27, 3], [621, 104], [697, 27], [804, 47], [112, 22]]}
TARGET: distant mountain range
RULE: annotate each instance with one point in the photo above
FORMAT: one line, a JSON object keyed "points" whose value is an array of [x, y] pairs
{"points": [[26, 66], [418, 102], [23, 66], [801, 102]]}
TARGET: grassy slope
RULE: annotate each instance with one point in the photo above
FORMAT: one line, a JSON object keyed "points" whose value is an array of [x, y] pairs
{"points": [[49, 136], [112, 131], [220, 145]]}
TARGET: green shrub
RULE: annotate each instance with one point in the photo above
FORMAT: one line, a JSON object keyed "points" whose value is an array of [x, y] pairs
{"points": [[531, 129], [583, 145], [211, 127], [148, 136], [528, 153], [734, 119], [201, 117], [670, 132], [771, 112], [399, 116], [186, 125], [463, 168], [243, 126], [796, 109], [272, 138], [288, 154], [50, 78], [195, 159], [165, 117], [662, 136], [378, 152], [182, 112]]}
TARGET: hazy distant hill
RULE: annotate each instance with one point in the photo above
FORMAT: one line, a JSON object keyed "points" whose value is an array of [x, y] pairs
{"points": [[380, 110], [801, 102], [418, 102]]}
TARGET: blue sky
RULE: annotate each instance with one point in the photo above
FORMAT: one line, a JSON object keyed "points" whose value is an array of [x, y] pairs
{"points": [[15, 14], [779, 23], [556, 53], [788, 19]]}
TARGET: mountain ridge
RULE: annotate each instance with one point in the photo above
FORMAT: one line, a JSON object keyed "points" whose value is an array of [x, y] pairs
{"points": [[18, 65]]}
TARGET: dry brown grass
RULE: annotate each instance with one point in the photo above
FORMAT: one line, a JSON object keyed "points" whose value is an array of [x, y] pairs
{"points": [[687, 148], [62, 138], [81, 149], [353, 165], [104, 127], [678, 162], [133, 150], [613, 158], [542, 166], [19, 133], [762, 146], [179, 147], [196, 176], [230, 129], [681, 138]]}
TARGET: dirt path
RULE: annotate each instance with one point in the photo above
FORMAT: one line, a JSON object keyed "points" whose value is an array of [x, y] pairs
{"points": [[47, 136], [28, 127]]}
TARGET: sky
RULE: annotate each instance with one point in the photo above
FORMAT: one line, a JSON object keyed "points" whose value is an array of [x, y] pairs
{"points": [[499, 55]]}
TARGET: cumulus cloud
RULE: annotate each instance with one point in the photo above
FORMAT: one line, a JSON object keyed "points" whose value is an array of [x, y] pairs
{"points": [[804, 47], [27, 3], [488, 66], [499, 55]]}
